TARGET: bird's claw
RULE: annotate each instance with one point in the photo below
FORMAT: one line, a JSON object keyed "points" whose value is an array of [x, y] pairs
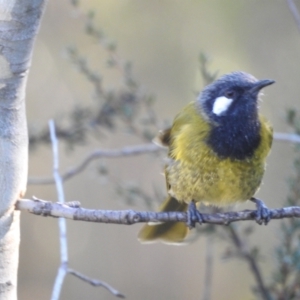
{"points": [[263, 214], [193, 215]]}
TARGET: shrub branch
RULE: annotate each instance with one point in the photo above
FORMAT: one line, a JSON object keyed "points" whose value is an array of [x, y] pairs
{"points": [[73, 211]]}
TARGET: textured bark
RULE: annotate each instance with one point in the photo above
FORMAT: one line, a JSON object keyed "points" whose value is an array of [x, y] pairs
{"points": [[73, 211], [19, 20]]}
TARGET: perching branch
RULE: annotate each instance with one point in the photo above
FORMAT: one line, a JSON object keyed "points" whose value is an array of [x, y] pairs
{"points": [[128, 217]]}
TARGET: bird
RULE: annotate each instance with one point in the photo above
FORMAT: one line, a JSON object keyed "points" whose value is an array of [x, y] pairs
{"points": [[217, 150]]}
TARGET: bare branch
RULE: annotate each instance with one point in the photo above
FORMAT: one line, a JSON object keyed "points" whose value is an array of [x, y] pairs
{"points": [[110, 153], [246, 254], [62, 271], [130, 151], [64, 260], [95, 282], [209, 262], [128, 217], [287, 137], [293, 8]]}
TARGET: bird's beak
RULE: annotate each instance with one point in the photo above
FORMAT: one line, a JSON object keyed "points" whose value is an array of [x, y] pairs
{"points": [[257, 86]]}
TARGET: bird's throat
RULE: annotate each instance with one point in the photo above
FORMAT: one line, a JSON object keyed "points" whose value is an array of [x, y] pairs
{"points": [[235, 139]]}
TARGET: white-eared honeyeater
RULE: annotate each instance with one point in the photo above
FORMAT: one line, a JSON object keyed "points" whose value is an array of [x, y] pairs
{"points": [[218, 146]]}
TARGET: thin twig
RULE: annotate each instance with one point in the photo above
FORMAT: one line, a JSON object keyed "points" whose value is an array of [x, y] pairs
{"points": [[128, 217], [287, 137], [62, 271], [293, 8], [101, 153], [245, 253], [64, 261], [208, 273], [96, 282], [130, 151]]}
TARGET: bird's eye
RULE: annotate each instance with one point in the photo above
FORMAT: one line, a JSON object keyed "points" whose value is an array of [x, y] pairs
{"points": [[229, 94]]}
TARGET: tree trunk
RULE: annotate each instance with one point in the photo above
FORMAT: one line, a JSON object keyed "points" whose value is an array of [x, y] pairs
{"points": [[19, 22]]}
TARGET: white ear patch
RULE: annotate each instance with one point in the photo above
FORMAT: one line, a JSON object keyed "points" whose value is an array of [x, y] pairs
{"points": [[221, 105]]}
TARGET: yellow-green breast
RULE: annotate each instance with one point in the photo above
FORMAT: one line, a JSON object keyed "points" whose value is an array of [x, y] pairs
{"points": [[195, 172]]}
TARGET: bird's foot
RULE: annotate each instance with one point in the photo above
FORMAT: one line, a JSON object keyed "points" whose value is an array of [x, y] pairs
{"points": [[193, 215], [263, 214]]}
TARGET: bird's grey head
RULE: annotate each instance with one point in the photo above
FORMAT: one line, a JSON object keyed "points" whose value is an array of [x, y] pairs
{"points": [[232, 96]]}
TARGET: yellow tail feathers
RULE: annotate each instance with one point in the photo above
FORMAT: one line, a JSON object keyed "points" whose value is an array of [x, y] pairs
{"points": [[169, 232]]}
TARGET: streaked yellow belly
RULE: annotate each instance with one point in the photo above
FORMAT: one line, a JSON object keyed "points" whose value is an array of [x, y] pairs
{"points": [[215, 181]]}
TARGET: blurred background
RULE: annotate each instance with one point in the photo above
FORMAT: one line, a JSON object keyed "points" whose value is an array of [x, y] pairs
{"points": [[163, 40]]}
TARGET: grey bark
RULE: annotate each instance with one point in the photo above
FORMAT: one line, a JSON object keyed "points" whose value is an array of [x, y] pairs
{"points": [[19, 22]]}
